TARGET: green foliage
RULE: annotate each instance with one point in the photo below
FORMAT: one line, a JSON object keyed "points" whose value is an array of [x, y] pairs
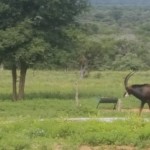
{"points": [[37, 133], [120, 30], [93, 133], [120, 2], [116, 13], [32, 32], [128, 62], [103, 36], [34, 29], [40, 120]]}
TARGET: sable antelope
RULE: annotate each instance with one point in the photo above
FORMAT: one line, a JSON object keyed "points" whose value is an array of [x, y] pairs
{"points": [[140, 91]]}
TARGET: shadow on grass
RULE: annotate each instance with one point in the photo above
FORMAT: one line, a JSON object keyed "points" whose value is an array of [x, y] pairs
{"points": [[46, 95], [5, 96], [40, 95]]}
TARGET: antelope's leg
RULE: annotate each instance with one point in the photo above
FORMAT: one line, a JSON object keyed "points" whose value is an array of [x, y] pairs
{"points": [[141, 108], [149, 105], [98, 104], [115, 106]]}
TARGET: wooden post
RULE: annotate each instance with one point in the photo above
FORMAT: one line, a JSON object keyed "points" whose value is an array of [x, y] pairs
{"points": [[119, 105], [76, 93]]}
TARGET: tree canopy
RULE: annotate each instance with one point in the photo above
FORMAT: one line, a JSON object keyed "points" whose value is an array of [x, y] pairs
{"points": [[30, 31]]}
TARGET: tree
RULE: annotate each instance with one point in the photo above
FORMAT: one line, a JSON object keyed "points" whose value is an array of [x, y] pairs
{"points": [[31, 31], [88, 56], [129, 61], [116, 13]]}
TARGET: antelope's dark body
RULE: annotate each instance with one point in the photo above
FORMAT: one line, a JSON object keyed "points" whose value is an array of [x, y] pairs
{"points": [[140, 91]]}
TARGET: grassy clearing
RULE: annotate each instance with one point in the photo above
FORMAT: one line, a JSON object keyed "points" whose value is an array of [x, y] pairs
{"points": [[31, 124], [51, 94]]}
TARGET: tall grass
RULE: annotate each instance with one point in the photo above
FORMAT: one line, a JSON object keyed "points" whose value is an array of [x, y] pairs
{"points": [[52, 93], [61, 84]]}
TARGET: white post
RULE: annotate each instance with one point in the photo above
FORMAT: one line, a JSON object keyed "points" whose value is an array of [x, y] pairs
{"points": [[119, 105], [76, 93]]}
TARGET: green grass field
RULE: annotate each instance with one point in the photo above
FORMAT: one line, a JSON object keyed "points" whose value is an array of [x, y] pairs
{"points": [[37, 122]]}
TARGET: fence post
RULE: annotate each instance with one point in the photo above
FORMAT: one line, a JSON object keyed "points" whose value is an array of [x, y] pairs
{"points": [[119, 105], [76, 93]]}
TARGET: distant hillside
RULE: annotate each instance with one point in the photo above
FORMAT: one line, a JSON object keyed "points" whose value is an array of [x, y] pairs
{"points": [[121, 2]]}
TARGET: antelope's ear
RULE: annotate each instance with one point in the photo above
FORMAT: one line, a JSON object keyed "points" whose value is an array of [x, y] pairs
{"points": [[125, 94]]}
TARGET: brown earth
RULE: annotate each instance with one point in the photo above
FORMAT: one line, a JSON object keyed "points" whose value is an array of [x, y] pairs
{"points": [[137, 110], [103, 147], [107, 147], [134, 110]]}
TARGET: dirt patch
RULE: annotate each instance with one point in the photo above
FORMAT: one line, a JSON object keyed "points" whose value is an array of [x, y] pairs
{"points": [[107, 147], [102, 147], [125, 148], [58, 147], [135, 110], [84, 147]]}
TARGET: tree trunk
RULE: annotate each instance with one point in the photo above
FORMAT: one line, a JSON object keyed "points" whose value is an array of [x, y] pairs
{"points": [[14, 83], [83, 71], [83, 67], [23, 70]]}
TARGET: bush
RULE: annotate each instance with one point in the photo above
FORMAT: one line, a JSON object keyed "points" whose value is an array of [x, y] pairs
{"points": [[128, 62]]}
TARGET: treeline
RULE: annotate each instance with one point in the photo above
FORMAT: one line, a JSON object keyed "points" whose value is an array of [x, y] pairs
{"points": [[120, 2], [120, 37], [101, 38], [115, 38]]}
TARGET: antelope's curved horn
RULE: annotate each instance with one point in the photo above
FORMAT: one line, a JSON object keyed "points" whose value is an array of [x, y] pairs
{"points": [[127, 78]]}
